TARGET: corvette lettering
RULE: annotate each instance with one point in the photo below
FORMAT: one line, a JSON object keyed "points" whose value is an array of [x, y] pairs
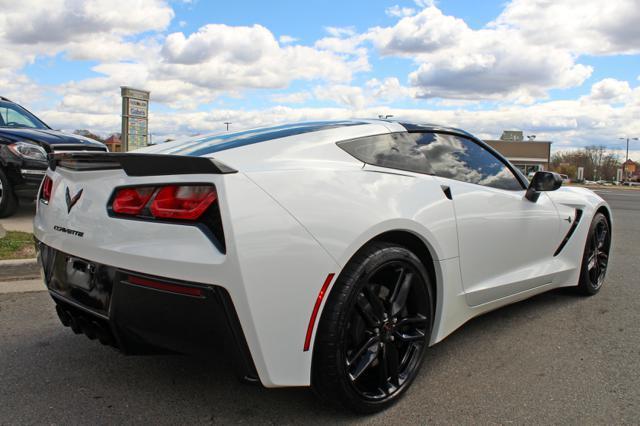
{"points": [[68, 231]]}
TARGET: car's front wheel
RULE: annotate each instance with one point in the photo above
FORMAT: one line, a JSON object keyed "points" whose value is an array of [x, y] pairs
{"points": [[595, 259], [374, 330], [8, 200]]}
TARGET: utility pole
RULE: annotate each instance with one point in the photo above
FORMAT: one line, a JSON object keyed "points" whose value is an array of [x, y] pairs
{"points": [[627, 159], [627, 139], [227, 123]]}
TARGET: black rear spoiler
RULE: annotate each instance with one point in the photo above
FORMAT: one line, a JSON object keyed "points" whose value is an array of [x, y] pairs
{"points": [[137, 164]]}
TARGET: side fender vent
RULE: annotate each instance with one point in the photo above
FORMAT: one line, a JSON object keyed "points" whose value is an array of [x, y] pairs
{"points": [[574, 225]]}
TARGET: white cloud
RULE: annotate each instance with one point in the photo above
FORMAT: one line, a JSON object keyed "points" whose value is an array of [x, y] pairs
{"points": [[610, 90], [292, 98], [568, 123], [19, 88], [236, 45], [340, 31], [185, 71], [285, 39], [532, 47], [189, 69], [457, 62], [388, 90], [32, 22], [425, 32], [583, 27], [222, 57], [350, 96], [399, 12], [84, 29], [374, 92]]}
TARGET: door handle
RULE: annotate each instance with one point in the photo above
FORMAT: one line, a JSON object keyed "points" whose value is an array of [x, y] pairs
{"points": [[447, 191]]}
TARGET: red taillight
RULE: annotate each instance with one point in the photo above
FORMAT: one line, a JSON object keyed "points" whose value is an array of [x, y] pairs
{"points": [[131, 200], [47, 189], [182, 202]]}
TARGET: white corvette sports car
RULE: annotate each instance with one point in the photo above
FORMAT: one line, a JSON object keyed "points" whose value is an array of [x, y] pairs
{"points": [[323, 254]]}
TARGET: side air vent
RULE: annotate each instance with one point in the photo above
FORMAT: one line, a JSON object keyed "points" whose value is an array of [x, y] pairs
{"points": [[574, 225]]}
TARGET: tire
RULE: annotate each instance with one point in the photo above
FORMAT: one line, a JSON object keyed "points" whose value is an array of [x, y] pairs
{"points": [[374, 330], [8, 200], [595, 258]]}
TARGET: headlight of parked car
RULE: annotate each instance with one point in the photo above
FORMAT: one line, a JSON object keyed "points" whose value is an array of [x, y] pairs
{"points": [[28, 150]]}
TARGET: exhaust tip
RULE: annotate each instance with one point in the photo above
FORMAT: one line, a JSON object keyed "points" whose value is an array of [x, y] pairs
{"points": [[82, 323]]}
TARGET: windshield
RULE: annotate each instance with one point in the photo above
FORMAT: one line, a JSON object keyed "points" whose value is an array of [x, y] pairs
{"points": [[12, 115]]}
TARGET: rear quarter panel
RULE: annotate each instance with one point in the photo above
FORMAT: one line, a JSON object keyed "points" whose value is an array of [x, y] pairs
{"points": [[343, 209]]}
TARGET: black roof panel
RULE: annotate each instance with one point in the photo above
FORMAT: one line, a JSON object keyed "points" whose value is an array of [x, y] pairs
{"points": [[220, 142]]}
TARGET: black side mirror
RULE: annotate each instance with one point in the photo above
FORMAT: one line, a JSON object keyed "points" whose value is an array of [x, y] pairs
{"points": [[542, 181]]}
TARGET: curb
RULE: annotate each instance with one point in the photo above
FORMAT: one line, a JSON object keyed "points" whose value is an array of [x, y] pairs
{"points": [[22, 286], [13, 262], [19, 269]]}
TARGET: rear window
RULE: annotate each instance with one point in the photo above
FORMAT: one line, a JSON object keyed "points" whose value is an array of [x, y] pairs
{"points": [[395, 151]]}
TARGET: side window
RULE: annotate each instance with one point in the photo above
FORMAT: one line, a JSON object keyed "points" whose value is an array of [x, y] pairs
{"points": [[462, 159], [395, 151], [12, 116], [437, 154]]}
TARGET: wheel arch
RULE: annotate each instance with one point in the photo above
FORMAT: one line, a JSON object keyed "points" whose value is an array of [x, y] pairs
{"points": [[402, 237], [417, 245], [604, 209]]}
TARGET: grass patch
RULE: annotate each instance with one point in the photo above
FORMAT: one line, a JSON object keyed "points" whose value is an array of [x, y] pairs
{"points": [[17, 245]]}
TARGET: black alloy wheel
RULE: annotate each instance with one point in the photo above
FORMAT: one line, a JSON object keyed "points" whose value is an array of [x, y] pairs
{"points": [[596, 256], [373, 335]]}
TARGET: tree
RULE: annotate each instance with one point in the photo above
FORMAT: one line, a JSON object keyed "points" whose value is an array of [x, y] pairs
{"points": [[598, 163]]}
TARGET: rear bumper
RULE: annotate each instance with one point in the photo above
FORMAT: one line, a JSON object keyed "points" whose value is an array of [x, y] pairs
{"points": [[142, 314]]}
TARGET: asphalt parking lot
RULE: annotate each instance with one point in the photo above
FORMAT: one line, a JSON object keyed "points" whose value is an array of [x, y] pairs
{"points": [[22, 220], [556, 358]]}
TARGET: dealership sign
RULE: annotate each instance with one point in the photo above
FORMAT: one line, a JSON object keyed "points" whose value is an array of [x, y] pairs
{"points": [[135, 118]]}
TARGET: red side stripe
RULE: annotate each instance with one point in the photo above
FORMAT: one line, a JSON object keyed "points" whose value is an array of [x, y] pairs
{"points": [[316, 308]]}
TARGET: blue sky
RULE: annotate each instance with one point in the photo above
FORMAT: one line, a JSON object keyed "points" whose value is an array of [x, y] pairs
{"points": [[566, 70]]}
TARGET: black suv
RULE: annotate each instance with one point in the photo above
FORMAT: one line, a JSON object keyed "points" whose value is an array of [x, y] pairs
{"points": [[25, 142]]}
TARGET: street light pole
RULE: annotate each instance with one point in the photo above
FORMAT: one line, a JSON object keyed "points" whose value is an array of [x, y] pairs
{"points": [[627, 139], [227, 123], [624, 168]]}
